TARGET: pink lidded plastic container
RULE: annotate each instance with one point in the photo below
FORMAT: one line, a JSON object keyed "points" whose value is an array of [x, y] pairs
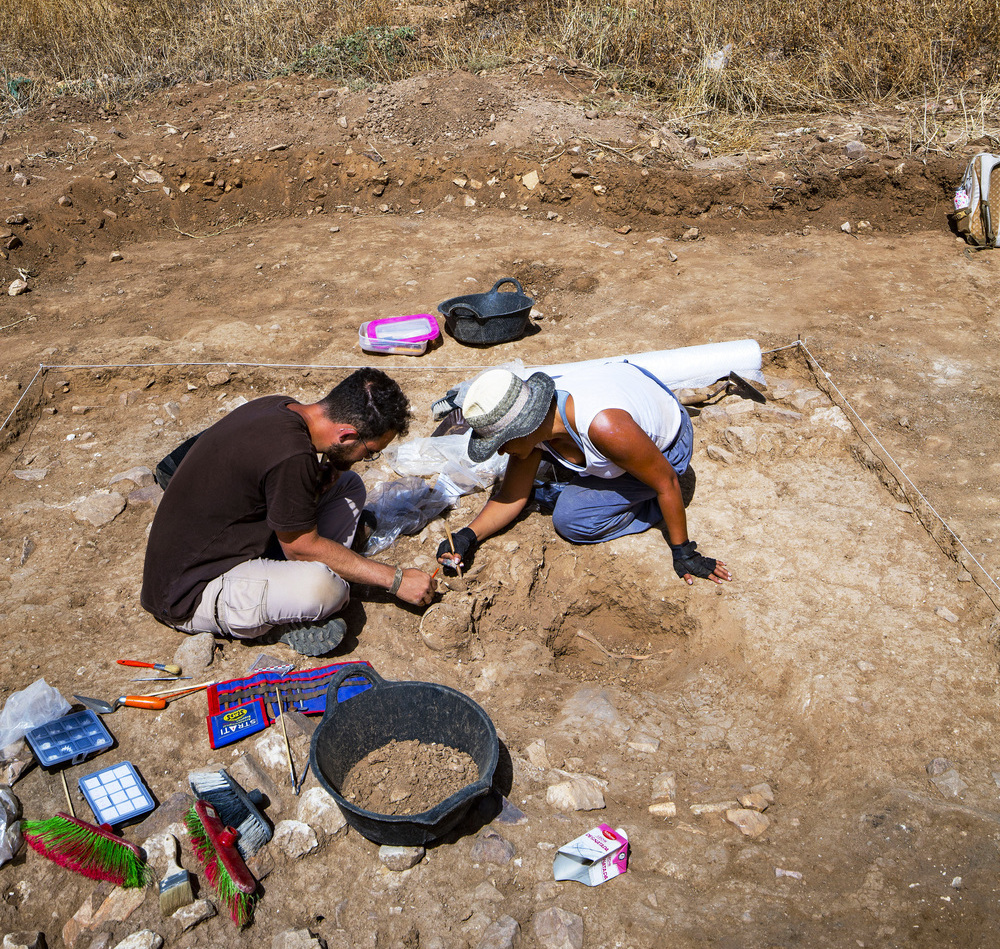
{"points": [[403, 335]]}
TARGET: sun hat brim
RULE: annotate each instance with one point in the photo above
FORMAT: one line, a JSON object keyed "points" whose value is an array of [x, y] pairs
{"points": [[541, 389]]}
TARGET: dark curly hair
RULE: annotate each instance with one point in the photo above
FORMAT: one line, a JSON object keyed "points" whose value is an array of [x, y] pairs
{"points": [[371, 401]]}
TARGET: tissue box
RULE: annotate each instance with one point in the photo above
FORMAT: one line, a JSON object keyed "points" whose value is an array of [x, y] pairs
{"points": [[593, 858]]}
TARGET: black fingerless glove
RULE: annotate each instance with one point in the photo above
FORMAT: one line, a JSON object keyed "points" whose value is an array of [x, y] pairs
{"points": [[465, 546], [688, 560]]}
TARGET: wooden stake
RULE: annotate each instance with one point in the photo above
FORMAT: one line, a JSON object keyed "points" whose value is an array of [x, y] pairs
{"points": [[177, 693], [288, 747], [69, 800], [451, 544]]}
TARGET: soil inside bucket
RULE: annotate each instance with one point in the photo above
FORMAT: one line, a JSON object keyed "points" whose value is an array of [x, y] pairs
{"points": [[408, 777]]}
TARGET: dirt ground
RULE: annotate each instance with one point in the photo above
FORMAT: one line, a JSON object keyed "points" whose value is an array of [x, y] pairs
{"points": [[248, 227]]}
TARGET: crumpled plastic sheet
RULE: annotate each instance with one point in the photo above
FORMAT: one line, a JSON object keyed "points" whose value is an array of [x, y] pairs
{"points": [[11, 840], [405, 506], [446, 455], [36, 705]]}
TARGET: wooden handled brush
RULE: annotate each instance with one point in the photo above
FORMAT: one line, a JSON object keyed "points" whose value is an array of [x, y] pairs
{"points": [[214, 846], [175, 887], [96, 852]]}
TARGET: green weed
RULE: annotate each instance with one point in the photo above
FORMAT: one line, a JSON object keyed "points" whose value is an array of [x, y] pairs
{"points": [[374, 53]]}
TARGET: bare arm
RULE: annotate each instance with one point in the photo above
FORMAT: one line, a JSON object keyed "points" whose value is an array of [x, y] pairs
{"points": [[501, 509], [417, 587], [620, 439]]}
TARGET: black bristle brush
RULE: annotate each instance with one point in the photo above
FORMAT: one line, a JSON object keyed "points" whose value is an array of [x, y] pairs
{"points": [[237, 808]]}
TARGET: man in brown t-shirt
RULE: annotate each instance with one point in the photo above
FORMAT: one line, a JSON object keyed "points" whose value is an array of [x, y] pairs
{"points": [[254, 534]]}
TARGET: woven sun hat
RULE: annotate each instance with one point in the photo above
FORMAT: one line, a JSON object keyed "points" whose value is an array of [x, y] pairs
{"points": [[499, 407]]}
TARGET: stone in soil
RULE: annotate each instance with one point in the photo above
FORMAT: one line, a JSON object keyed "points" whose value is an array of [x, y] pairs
{"points": [[581, 793], [503, 934], [24, 940], [105, 904], [557, 928], [295, 838], [400, 858], [491, 847], [195, 653], [144, 939], [750, 823], [189, 916], [296, 939], [100, 508], [318, 810]]}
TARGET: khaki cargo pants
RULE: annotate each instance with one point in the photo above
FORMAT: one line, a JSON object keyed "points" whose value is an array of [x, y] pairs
{"points": [[247, 601]]}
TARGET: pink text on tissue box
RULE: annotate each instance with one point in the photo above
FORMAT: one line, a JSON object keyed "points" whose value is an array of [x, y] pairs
{"points": [[594, 857]]}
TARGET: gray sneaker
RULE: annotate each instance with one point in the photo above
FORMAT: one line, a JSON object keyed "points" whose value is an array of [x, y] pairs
{"points": [[314, 639]]}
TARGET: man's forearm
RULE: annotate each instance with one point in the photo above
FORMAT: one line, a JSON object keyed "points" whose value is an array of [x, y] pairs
{"points": [[341, 560]]}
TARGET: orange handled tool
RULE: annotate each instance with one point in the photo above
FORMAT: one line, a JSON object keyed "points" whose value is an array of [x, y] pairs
{"points": [[142, 701], [136, 701], [171, 669]]}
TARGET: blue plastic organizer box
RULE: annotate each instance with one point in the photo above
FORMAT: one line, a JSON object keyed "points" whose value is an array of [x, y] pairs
{"points": [[70, 738]]}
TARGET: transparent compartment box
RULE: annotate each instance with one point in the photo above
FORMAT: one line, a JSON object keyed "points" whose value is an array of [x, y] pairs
{"points": [[71, 738], [116, 794], [402, 335]]}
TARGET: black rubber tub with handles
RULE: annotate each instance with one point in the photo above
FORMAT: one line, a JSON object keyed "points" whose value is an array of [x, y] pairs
{"points": [[405, 711]]}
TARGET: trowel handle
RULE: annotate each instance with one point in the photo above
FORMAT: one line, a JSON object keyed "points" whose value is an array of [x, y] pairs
{"points": [[142, 701]]}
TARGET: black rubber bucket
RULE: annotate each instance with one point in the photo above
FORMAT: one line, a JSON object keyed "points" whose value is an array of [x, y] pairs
{"points": [[404, 711], [484, 319]]}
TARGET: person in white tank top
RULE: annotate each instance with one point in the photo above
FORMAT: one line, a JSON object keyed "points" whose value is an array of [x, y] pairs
{"points": [[623, 434]]}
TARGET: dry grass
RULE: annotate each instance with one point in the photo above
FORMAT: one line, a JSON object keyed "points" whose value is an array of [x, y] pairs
{"points": [[783, 55]]}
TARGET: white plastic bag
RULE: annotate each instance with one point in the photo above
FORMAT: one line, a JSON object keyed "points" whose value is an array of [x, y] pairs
{"points": [[36, 705], [447, 455]]}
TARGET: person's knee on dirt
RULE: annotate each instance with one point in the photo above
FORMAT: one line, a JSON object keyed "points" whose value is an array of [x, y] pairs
{"points": [[255, 477], [255, 597], [589, 515], [603, 423]]}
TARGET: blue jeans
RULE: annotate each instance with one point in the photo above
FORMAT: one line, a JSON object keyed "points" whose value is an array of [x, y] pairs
{"points": [[590, 510]]}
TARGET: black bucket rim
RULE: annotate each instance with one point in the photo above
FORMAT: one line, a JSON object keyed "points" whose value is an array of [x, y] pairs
{"points": [[515, 303], [432, 822]]}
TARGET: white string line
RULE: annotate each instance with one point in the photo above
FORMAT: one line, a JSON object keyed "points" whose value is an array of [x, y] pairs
{"points": [[45, 367], [252, 365], [888, 455], [778, 349], [24, 395]]}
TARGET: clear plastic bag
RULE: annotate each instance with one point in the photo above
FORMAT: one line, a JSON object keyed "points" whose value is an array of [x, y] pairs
{"points": [[36, 705], [447, 455], [10, 828], [402, 507]]}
